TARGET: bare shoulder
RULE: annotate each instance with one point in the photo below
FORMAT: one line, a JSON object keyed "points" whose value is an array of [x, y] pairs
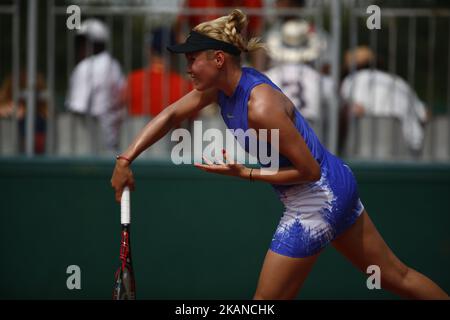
{"points": [[196, 99], [191, 103], [205, 97], [266, 102]]}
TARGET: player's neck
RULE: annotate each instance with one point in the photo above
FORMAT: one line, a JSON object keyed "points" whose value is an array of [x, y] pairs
{"points": [[230, 79]]}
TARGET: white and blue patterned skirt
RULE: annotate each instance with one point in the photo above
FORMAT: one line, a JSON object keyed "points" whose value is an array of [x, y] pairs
{"points": [[316, 213]]}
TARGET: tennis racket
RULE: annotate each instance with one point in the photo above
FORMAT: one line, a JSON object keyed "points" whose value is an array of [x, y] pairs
{"points": [[124, 284]]}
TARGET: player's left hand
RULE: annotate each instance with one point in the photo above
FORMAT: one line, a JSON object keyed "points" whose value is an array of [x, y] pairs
{"points": [[226, 167]]}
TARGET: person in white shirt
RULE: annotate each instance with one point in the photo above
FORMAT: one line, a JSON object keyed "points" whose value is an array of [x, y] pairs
{"points": [[97, 84], [374, 92], [292, 51]]}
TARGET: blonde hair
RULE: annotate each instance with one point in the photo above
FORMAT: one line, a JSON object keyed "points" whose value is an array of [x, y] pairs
{"points": [[228, 28]]}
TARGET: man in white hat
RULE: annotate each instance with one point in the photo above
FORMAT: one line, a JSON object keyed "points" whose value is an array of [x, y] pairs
{"points": [[292, 50], [96, 83]]}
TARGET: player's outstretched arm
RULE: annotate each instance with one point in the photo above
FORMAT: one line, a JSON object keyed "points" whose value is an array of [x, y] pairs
{"points": [[159, 126]]}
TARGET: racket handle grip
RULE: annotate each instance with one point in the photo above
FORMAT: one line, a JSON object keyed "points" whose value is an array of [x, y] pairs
{"points": [[125, 206]]}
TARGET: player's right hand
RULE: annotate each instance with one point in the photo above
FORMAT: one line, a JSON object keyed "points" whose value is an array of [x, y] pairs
{"points": [[122, 176]]}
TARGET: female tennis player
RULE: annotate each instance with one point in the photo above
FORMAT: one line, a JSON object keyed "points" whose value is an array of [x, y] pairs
{"points": [[318, 190]]}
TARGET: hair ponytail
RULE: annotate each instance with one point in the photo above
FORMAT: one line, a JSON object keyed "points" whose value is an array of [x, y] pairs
{"points": [[228, 28]]}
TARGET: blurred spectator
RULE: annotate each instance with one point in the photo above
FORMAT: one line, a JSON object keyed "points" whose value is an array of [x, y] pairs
{"points": [[295, 41], [312, 42], [254, 25], [287, 4], [6, 110], [96, 83], [290, 52], [254, 28], [372, 92], [148, 84]]}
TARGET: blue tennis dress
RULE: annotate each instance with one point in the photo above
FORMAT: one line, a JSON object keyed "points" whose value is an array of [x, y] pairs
{"points": [[314, 213]]}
